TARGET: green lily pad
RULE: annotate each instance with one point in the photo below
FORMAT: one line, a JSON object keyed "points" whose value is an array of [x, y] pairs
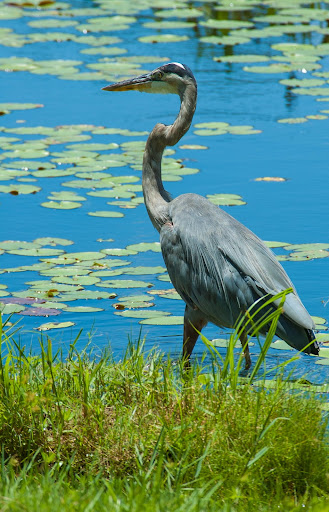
{"points": [[232, 59], [226, 24], [163, 320], [48, 240], [275, 244], [86, 295], [16, 190], [226, 199], [323, 362], [85, 256], [48, 305], [213, 125], [147, 313], [317, 117], [163, 38], [61, 205], [119, 252], [66, 196], [171, 295], [36, 252], [160, 25], [293, 120], [164, 278], [19, 106], [83, 309], [124, 283], [8, 309], [106, 213], [243, 130], [305, 82], [54, 325], [179, 13], [79, 280], [144, 247], [225, 40], [305, 247], [136, 271], [318, 320], [281, 345]]}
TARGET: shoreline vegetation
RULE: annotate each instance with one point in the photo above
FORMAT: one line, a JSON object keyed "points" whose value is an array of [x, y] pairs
{"points": [[80, 432]]}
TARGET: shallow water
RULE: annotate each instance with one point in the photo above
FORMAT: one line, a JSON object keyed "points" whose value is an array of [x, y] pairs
{"points": [[294, 211]]}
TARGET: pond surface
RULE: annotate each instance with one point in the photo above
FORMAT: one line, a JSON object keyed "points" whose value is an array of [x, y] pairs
{"points": [[72, 153]]}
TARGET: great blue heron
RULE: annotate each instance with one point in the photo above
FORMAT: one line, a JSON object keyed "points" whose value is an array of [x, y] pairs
{"points": [[217, 265]]}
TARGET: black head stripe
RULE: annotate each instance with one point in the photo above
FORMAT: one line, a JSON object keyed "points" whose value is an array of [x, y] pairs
{"points": [[179, 69]]}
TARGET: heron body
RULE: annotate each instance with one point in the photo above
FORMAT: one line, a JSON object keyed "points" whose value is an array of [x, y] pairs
{"points": [[218, 266]]}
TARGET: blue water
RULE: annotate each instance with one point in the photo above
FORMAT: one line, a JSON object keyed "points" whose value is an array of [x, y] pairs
{"points": [[295, 211]]}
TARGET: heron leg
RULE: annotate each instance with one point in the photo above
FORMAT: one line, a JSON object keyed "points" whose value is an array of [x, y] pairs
{"points": [[244, 343], [193, 321]]}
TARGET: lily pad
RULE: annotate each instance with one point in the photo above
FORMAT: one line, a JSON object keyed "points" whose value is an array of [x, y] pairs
{"points": [[16, 190], [163, 38], [232, 59], [293, 120], [83, 309], [106, 213], [54, 325], [163, 320], [147, 313], [226, 199], [144, 247], [124, 283], [8, 309], [61, 205]]}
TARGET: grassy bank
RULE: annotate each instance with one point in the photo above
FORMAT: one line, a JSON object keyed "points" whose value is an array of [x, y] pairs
{"points": [[85, 433]]}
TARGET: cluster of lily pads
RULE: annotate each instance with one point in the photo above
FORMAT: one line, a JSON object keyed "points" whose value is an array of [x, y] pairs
{"points": [[65, 277], [221, 24], [23, 162]]}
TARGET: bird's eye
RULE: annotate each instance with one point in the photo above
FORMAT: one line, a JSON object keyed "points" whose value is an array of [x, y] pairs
{"points": [[158, 75]]}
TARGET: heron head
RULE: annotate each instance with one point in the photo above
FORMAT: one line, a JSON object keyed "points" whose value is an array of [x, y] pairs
{"points": [[171, 78]]}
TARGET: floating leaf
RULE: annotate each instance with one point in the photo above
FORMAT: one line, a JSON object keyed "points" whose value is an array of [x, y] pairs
{"points": [[147, 313], [80, 280], [275, 244], [293, 120], [53, 241], [179, 13], [36, 252], [281, 345], [230, 40], [319, 320], [231, 59], [271, 178], [83, 309], [61, 205], [317, 117], [19, 106], [119, 252], [125, 283], [54, 325], [8, 309], [86, 256], [163, 38], [144, 246], [106, 213], [136, 271], [163, 320], [16, 190], [226, 199]]}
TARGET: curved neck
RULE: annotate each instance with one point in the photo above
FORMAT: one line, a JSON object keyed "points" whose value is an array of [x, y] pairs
{"points": [[155, 196]]}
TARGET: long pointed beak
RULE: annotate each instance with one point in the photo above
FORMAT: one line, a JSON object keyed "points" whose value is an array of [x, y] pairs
{"points": [[141, 83]]}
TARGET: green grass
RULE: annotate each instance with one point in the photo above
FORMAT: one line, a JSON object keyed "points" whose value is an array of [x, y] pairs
{"points": [[86, 433]]}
